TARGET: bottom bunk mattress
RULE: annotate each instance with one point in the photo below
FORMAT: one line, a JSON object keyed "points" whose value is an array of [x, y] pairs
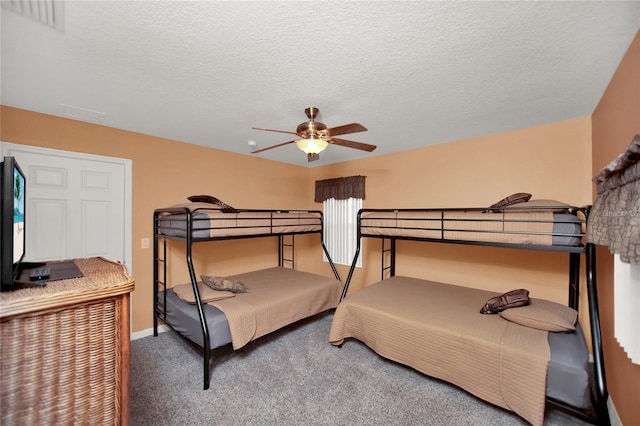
{"points": [[276, 297], [438, 329]]}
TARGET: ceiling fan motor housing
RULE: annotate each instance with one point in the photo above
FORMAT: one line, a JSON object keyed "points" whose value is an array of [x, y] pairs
{"points": [[311, 130]]}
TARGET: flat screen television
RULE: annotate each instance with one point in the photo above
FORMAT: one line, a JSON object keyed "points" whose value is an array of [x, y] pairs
{"points": [[13, 185]]}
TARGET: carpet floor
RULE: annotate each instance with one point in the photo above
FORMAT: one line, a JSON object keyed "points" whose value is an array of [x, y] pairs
{"points": [[295, 377]]}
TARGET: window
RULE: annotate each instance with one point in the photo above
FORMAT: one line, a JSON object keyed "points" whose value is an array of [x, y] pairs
{"points": [[613, 222], [626, 300], [341, 199], [340, 230]]}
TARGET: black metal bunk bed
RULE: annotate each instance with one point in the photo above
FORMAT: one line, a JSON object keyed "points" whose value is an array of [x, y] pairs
{"points": [[193, 224], [452, 226]]}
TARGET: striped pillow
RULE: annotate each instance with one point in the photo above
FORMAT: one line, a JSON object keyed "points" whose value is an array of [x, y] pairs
{"points": [[543, 315], [224, 207]]}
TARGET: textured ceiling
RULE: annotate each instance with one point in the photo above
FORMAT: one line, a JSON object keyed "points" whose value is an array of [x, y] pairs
{"points": [[414, 73]]}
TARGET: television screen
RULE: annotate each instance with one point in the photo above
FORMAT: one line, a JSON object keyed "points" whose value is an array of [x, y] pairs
{"points": [[12, 206], [18, 215]]}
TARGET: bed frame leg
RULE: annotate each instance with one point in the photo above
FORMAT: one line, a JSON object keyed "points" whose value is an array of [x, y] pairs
{"points": [[207, 367], [574, 280], [602, 412], [601, 393]]}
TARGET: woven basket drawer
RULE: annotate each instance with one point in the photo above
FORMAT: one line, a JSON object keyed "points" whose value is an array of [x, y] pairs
{"points": [[62, 367], [65, 355]]}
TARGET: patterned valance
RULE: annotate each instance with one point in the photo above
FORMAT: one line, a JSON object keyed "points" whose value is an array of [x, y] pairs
{"points": [[340, 188], [614, 220]]}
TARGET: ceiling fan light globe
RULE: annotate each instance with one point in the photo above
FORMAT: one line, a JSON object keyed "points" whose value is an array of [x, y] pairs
{"points": [[312, 145]]}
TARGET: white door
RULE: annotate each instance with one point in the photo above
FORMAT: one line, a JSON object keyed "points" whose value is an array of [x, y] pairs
{"points": [[77, 205]]}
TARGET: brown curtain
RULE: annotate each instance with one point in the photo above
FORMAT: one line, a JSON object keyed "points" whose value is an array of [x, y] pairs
{"points": [[614, 220], [340, 188]]}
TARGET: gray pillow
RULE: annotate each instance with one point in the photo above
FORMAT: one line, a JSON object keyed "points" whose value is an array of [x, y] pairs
{"points": [[224, 284], [185, 293]]}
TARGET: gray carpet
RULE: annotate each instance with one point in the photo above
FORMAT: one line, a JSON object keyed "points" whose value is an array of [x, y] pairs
{"points": [[295, 377]]}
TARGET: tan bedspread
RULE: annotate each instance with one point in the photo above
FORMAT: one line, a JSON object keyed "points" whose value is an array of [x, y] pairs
{"points": [[520, 227], [277, 297], [437, 329]]}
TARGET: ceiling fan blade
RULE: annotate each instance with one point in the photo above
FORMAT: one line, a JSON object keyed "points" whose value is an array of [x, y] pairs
{"points": [[272, 146], [346, 129], [351, 144], [274, 130]]}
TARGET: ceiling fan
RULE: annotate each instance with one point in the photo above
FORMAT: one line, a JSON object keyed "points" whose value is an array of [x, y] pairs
{"points": [[314, 137]]}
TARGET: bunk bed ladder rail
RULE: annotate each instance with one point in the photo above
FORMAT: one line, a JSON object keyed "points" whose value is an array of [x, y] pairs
{"points": [[157, 282], [159, 314], [388, 260], [285, 247]]}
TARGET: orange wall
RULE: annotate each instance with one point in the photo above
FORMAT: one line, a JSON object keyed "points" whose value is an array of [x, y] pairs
{"points": [[550, 162], [165, 172], [473, 172], [616, 121]]}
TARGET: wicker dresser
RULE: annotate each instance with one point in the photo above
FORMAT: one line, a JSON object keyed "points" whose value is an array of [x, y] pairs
{"points": [[64, 349]]}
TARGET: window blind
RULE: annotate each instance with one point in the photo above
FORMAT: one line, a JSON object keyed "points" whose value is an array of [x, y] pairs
{"points": [[340, 229], [626, 300]]}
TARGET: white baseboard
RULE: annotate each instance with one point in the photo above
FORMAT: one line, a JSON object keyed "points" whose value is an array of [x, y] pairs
{"points": [[148, 332], [613, 414]]}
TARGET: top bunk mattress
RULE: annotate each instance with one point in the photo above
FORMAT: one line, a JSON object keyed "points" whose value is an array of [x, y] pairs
{"points": [[509, 226], [207, 221]]}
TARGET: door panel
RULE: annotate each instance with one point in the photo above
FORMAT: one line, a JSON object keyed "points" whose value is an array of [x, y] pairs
{"points": [[75, 204], [52, 240], [96, 239]]}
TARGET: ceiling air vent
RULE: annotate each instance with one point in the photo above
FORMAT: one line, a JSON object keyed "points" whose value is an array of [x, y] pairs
{"points": [[48, 12]]}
